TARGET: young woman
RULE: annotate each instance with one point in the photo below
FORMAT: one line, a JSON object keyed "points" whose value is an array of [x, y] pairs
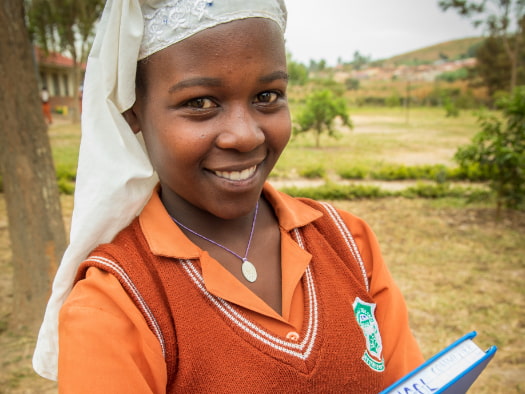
{"points": [[221, 284]]}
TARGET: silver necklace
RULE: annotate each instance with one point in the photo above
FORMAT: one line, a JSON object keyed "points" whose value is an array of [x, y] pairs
{"points": [[248, 269]]}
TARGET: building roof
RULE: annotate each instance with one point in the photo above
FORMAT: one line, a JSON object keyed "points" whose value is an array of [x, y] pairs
{"points": [[53, 59]]}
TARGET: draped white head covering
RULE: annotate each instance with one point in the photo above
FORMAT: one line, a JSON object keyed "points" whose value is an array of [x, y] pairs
{"points": [[115, 177]]}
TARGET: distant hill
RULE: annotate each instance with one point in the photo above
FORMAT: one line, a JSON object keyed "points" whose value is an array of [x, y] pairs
{"points": [[449, 50]]}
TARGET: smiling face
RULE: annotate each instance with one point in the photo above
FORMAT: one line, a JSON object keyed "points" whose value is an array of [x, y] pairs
{"points": [[214, 116]]}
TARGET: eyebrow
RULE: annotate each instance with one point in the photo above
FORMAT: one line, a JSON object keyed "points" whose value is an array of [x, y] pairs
{"points": [[188, 83], [215, 82], [274, 76]]}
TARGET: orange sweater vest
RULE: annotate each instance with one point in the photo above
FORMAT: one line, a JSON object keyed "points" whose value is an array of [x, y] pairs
{"points": [[210, 346]]}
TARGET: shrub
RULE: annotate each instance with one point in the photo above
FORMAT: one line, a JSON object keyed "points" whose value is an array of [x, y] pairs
{"points": [[499, 151], [66, 173], [390, 173], [442, 190], [370, 101], [332, 191], [471, 172], [297, 73], [65, 186], [428, 190], [352, 84], [435, 172], [313, 172], [393, 100], [352, 173], [451, 109], [394, 172], [66, 178]]}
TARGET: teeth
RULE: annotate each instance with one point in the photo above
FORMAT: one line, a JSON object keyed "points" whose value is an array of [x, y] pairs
{"points": [[237, 175]]}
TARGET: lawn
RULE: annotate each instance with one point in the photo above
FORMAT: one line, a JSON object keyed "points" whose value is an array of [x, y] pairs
{"points": [[380, 136], [459, 268]]}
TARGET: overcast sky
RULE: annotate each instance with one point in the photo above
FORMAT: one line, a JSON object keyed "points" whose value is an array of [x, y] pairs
{"points": [[329, 29]]}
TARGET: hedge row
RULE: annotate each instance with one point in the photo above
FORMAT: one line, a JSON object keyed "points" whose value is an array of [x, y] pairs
{"points": [[356, 192], [437, 172]]}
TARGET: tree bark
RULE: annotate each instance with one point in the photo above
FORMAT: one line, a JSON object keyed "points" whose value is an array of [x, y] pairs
{"points": [[36, 227]]}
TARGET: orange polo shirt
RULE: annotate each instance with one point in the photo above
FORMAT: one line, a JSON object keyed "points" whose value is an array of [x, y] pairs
{"points": [[92, 358]]}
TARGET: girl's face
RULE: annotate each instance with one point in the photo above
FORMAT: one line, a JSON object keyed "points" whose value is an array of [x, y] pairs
{"points": [[214, 115]]}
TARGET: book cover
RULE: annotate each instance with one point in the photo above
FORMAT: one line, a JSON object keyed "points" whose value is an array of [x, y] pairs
{"points": [[451, 371]]}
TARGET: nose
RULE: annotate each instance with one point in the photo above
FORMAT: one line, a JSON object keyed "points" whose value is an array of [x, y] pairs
{"points": [[240, 130]]}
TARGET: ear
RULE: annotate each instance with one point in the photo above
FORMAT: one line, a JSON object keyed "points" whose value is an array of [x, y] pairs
{"points": [[132, 119]]}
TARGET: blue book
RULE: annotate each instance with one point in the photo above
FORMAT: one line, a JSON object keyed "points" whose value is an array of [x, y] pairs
{"points": [[451, 371]]}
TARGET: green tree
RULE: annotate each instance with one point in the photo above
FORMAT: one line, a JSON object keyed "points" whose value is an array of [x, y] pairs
{"points": [[504, 19], [493, 67], [337, 89], [65, 26], [499, 150], [317, 66], [297, 72], [321, 109], [360, 61], [352, 83]]}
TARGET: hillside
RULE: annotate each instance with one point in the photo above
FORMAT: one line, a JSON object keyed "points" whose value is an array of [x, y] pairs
{"points": [[449, 50]]}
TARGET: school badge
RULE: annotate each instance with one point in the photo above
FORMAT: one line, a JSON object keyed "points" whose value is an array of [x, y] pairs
{"points": [[364, 314]]}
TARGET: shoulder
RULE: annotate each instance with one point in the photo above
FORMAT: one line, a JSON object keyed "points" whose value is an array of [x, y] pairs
{"points": [[96, 307], [117, 256], [100, 292]]}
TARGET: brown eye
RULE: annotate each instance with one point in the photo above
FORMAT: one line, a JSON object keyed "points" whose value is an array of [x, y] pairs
{"points": [[267, 97], [201, 103]]}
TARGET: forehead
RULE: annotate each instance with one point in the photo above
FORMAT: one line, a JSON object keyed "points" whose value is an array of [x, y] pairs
{"points": [[228, 47]]}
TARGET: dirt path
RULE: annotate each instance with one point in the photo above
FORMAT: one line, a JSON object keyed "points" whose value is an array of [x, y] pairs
{"points": [[393, 186]]}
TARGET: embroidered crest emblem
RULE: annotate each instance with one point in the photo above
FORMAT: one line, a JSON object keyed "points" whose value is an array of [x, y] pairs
{"points": [[364, 314]]}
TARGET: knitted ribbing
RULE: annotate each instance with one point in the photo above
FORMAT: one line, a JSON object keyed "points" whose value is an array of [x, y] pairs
{"points": [[212, 347]]}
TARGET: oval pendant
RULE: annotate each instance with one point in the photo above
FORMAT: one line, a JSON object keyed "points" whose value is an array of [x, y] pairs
{"points": [[249, 271]]}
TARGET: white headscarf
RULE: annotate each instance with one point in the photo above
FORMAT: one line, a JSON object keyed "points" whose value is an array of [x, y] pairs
{"points": [[115, 177]]}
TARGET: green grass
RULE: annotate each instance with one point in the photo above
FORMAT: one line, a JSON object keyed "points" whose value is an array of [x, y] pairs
{"points": [[382, 136], [65, 142], [460, 269]]}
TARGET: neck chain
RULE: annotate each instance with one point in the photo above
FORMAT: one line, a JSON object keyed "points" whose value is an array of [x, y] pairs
{"points": [[248, 269]]}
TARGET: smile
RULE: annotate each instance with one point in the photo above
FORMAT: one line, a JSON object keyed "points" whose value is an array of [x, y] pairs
{"points": [[236, 175]]}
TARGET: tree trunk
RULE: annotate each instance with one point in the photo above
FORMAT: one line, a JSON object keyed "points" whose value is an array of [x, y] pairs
{"points": [[77, 69], [513, 60], [36, 228]]}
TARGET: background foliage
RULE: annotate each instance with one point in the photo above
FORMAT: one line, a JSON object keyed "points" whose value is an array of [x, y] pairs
{"points": [[499, 150]]}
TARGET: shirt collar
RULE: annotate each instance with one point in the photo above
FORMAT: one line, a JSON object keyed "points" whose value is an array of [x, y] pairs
{"points": [[165, 238]]}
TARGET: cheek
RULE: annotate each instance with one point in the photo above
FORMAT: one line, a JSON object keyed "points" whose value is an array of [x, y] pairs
{"points": [[175, 145], [161, 148], [282, 131]]}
